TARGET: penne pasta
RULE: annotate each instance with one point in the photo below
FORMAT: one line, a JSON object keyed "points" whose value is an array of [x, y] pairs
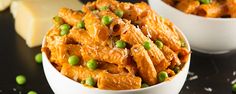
{"points": [[144, 64], [118, 81], [94, 27], [69, 16], [102, 53], [188, 6], [79, 73], [171, 56], [212, 10], [231, 6]]}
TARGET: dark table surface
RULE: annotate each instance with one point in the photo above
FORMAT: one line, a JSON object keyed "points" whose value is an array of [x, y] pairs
{"points": [[215, 72]]}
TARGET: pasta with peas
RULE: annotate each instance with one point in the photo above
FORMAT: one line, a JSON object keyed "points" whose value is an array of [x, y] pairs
{"points": [[115, 45], [206, 8]]}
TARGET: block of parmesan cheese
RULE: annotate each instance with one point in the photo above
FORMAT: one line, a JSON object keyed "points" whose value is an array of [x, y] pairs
{"points": [[33, 18], [4, 4]]}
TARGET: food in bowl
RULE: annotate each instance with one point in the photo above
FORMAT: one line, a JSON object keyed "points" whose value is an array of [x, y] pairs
{"points": [[206, 8], [113, 45]]}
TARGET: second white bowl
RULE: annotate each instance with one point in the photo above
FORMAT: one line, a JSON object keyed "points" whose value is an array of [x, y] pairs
{"points": [[207, 35]]}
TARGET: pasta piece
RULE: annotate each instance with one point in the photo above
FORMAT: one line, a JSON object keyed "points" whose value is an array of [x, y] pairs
{"points": [[144, 64], [108, 3], [117, 26], [118, 81], [157, 29], [61, 53], [79, 73], [188, 6], [231, 5], [170, 72], [70, 16], [59, 47], [130, 11], [102, 53], [135, 36], [110, 68], [94, 27], [80, 35], [212, 10], [183, 55], [171, 56]]}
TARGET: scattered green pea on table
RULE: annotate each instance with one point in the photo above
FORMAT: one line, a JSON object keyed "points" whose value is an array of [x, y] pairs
{"points": [[32, 92], [38, 58], [20, 79], [234, 87]]}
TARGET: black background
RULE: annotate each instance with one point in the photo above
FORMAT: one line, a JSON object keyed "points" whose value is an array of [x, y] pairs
{"points": [[16, 58]]}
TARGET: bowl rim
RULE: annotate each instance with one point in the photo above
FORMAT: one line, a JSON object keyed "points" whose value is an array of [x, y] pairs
{"points": [[191, 15], [186, 65]]}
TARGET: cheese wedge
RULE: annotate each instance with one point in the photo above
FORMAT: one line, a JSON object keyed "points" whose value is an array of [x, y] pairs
{"points": [[4, 4], [33, 17]]}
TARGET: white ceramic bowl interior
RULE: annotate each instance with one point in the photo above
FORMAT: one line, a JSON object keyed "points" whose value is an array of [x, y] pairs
{"points": [[207, 35], [60, 84]]}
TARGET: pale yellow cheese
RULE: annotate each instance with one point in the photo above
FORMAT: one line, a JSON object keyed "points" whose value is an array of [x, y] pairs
{"points": [[33, 18], [4, 4]]}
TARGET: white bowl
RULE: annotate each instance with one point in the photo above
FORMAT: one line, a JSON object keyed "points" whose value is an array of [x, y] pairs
{"points": [[207, 35], [60, 84]]}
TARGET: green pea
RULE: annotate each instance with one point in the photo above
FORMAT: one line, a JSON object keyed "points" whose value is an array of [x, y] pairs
{"points": [[32, 92], [162, 76], [64, 29], [64, 32], [82, 82], [80, 11], [92, 64], [58, 20], [90, 81], [120, 44], [147, 45], [80, 24], [176, 69], [38, 58], [106, 20], [95, 11], [159, 44], [182, 43], [234, 87], [103, 8], [20, 79], [119, 13], [144, 85], [73, 60], [205, 1]]}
